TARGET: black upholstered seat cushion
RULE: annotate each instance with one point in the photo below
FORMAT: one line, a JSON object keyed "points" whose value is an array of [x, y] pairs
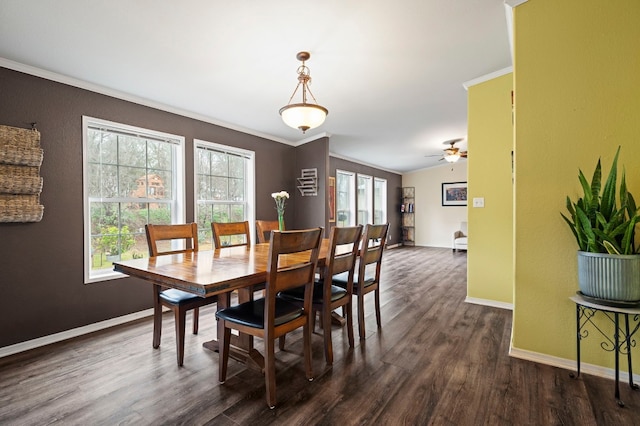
{"points": [[251, 314], [297, 294], [177, 296], [343, 278]]}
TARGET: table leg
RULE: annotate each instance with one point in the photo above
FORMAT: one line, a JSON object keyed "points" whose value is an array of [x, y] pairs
{"points": [[241, 348]]}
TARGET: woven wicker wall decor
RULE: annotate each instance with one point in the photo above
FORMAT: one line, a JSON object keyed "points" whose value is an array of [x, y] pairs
{"points": [[20, 181]]}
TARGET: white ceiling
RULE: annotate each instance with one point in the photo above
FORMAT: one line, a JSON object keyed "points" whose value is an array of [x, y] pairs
{"points": [[391, 73]]}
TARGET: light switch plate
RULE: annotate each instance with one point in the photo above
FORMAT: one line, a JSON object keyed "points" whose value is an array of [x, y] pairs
{"points": [[478, 202]]}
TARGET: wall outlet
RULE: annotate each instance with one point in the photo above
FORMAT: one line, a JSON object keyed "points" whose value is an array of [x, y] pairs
{"points": [[478, 202]]}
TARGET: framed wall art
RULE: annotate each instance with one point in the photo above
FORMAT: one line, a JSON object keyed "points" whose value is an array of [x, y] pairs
{"points": [[454, 193], [332, 199]]}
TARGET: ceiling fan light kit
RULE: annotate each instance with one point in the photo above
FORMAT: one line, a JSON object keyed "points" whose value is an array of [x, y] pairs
{"points": [[451, 154], [304, 115], [452, 158]]}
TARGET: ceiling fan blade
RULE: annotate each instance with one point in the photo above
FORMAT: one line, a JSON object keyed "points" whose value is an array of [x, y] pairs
{"points": [[463, 154]]}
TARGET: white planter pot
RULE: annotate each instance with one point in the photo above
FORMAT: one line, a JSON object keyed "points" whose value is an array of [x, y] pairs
{"points": [[609, 276]]}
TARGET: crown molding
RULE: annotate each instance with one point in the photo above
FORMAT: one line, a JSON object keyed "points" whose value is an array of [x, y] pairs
{"points": [[514, 3], [353, 160], [81, 84], [313, 138], [487, 77]]}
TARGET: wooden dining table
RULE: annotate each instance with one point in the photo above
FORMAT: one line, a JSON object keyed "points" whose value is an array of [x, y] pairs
{"points": [[217, 272]]}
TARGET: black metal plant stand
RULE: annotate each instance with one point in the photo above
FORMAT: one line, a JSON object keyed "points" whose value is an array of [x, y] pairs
{"points": [[622, 340]]}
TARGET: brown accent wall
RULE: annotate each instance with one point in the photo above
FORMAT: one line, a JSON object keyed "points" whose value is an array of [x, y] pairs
{"points": [[41, 264], [394, 191]]}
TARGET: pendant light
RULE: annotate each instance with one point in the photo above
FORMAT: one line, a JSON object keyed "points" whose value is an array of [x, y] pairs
{"points": [[303, 116]]}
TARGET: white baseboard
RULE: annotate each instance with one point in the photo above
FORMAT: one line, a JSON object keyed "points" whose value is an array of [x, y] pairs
{"points": [[570, 364], [487, 302], [75, 332]]}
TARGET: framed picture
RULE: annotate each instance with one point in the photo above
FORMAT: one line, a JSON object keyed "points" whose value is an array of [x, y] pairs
{"points": [[332, 199], [454, 194]]}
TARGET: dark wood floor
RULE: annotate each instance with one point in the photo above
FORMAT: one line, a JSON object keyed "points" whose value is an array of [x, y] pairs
{"points": [[436, 361]]}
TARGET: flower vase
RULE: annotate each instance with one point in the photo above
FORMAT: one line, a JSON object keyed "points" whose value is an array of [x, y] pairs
{"points": [[281, 222]]}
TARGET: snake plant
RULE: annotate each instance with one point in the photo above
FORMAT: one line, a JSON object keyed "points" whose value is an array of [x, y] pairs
{"points": [[599, 222]]}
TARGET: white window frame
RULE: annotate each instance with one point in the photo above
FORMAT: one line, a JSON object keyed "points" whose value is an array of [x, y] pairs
{"points": [[380, 201], [250, 184], [351, 197], [368, 196], [178, 184]]}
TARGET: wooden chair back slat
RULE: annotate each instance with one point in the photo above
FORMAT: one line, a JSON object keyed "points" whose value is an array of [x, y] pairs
{"points": [[230, 229], [289, 242], [264, 228], [158, 233]]}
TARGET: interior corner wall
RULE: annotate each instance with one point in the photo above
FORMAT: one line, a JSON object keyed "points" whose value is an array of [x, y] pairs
{"points": [[490, 145], [310, 210], [577, 99], [435, 223]]}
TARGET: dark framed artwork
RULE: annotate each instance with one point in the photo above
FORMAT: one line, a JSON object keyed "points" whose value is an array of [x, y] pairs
{"points": [[454, 193], [332, 199]]}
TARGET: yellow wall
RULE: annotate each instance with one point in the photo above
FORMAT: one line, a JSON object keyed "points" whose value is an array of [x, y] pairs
{"points": [[577, 86], [490, 139]]}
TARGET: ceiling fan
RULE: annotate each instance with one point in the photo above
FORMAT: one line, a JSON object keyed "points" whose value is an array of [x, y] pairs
{"points": [[451, 154]]}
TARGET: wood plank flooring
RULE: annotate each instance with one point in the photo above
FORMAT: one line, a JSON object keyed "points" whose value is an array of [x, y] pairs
{"points": [[436, 361]]}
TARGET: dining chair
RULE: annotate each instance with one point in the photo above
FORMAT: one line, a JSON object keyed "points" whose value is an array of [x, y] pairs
{"points": [[343, 250], [367, 277], [231, 234], [160, 239], [264, 228], [292, 260]]}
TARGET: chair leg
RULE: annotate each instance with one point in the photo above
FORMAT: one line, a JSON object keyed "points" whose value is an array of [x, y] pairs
{"points": [[349, 323], [196, 318], [326, 331], [270, 371], [181, 320], [377, 300], [306, 341], [223, 350], [281, 341], [361, 331], [157, 317]]}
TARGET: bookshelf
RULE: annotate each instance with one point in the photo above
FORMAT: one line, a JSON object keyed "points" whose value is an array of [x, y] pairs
{"points": [[407, 209]]}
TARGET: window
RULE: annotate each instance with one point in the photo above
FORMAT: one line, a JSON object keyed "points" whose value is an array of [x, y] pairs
{"points": [[365, 199], [224, 188], [345, 199], [132, 177], [379, 201]]}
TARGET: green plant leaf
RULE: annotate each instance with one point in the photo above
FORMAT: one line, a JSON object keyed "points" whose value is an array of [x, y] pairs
{"points": [[608, 199], [585, 226], [597, 221], [610, 248], [627, 239], [572, 226]]}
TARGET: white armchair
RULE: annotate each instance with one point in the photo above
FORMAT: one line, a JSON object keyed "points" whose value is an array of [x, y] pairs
{"points": [[460, 238]]}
